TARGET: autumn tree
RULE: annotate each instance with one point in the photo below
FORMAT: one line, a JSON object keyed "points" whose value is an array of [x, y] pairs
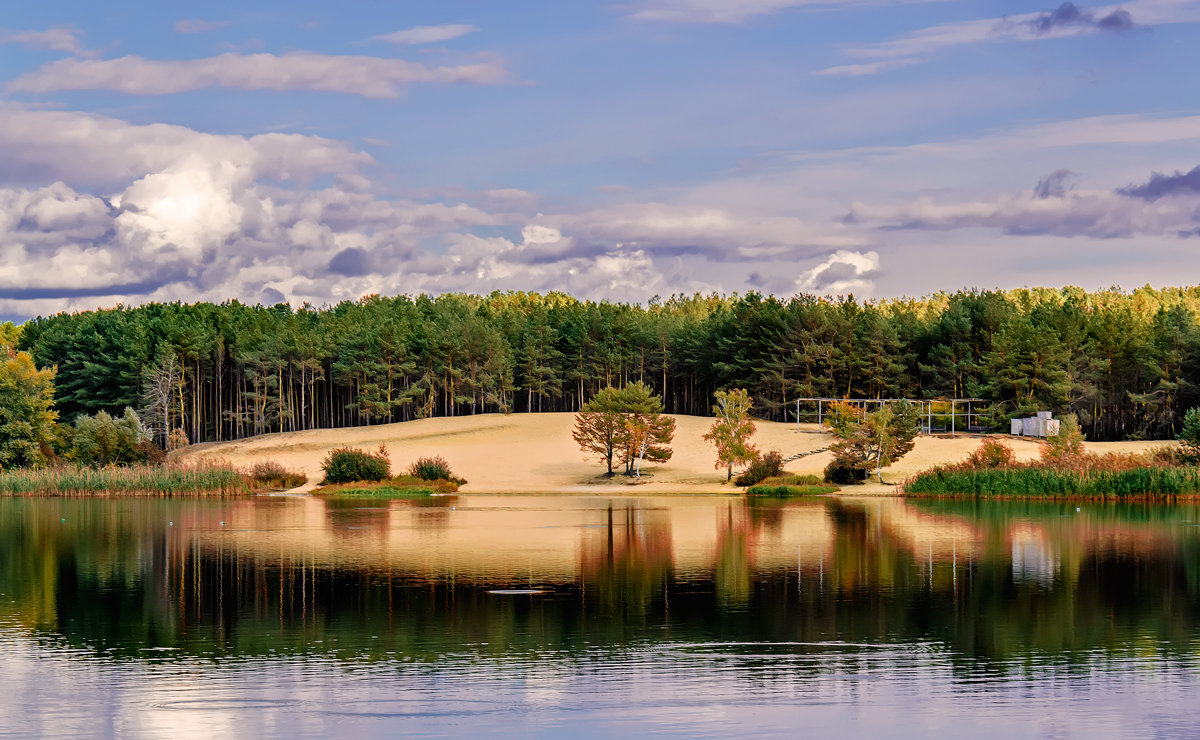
{"points": [[873, 441], [27, 418], [625, 426], [732, 430]]}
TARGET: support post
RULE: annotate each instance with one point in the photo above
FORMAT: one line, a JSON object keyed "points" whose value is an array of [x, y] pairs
{"points": [[953, 408]]}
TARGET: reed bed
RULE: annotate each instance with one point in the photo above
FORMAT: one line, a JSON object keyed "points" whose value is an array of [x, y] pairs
{"points": [[135, 480], [1038, 480]]}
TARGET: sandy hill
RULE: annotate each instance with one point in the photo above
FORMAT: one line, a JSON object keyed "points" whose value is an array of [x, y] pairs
{"points": [[534, 453]]}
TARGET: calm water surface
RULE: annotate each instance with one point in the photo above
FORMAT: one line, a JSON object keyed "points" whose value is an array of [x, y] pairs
{"points": [[595, 616]]}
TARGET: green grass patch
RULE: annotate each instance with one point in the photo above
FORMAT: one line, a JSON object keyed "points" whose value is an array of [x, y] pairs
{"points": [[399, 486], [776, 490], [381, 490], [134, 480], [1032, 481]]}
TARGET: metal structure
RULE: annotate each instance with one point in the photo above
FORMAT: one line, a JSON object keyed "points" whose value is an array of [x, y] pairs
{"points": [[951, 414]]}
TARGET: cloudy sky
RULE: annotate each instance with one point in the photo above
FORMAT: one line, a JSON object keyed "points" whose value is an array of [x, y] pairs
{"points": [[310, 151]]}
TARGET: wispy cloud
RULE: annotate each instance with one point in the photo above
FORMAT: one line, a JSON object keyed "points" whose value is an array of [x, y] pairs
{"points": [[420, 35], [371, 77], [1064, 21], [59, 38], [198, 26], [738, 11], [868, 68]]}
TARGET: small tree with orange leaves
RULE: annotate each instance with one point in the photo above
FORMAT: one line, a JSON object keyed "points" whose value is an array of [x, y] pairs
{"points": [[732, 430]]}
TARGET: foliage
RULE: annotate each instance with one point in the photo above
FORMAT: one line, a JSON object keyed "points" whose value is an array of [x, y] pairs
{"points": [[151, 480], [1189, 435], [625, 426], [102, 440], [871, 441], [1065, 446], [732, 430], [1127, 363], [177, 440], [761, 468], [992, 453], [10, 334], [270, 474], [432, 469], [351, 465], [842, 472], [26, 415]]}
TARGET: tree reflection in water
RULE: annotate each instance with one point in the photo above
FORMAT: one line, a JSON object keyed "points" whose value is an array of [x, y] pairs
{"points": [[410, 580]]}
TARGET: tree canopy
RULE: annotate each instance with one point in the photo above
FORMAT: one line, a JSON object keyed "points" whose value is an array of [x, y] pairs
{"points": [[26, 414], [873, 441], [1126, 363], [625, 427], [732, 430]]}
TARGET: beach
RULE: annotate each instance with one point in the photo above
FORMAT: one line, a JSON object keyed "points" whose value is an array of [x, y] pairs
{"points": [[534, 453]]}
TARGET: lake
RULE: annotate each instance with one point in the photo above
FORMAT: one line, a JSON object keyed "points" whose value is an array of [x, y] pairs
{"points": [[597, 616]]}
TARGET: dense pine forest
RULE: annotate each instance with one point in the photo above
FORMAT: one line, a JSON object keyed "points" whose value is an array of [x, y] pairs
{"points": [[1125, 363]]}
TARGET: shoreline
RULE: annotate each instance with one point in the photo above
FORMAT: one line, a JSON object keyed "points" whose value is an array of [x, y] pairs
{"points": [[535, 454]]}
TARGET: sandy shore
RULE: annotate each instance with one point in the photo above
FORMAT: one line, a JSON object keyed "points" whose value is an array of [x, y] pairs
{"points": [[534, 453]]}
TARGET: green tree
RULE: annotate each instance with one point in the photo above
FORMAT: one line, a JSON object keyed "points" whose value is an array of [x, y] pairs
{"points": [[732, 430], [872, 442], [1189, 435], [625, 426], [27, 417]]}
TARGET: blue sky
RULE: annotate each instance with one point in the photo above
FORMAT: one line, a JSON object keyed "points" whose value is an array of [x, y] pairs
{"points": [[316, 152]]}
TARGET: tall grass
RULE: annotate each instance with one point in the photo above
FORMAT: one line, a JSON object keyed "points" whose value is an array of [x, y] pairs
{"points": [[146, 480], [1118, 480]]}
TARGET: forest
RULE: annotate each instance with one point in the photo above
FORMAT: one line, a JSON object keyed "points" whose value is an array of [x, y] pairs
{"points": [[1126, 363]]}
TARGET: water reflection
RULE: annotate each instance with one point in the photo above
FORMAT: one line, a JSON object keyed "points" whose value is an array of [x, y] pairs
{"points": [[986, 581]]}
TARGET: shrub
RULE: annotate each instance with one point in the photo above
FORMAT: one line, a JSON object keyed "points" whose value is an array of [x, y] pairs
{"points": [[431, 468], [1065, 445], [766, 466], [842, 473], [177, 439], [992, 453], [350, 465], [270, 474], [102, 440]]}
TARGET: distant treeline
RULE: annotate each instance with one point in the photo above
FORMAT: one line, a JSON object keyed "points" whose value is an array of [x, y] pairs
{"points": [[1125, 363]]}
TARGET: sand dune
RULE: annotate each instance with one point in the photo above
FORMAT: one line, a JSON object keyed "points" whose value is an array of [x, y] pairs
{"points": [[534, 453]]}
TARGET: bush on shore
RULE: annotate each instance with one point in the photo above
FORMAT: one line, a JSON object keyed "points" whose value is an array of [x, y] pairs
{"points": [[351, 465], [270, 474], [431, 468], [761, 468]]}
